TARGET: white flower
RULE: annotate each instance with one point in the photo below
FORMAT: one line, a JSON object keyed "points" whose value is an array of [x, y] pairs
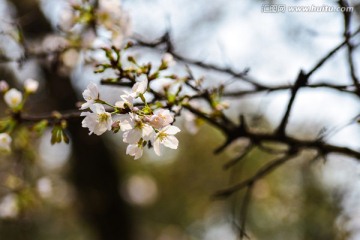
{"points": [[67, 19], [4, 86], [31, 85], [140, 86], [98, 121], [109, 5], [222, 106], [166, 137], [5, 141], [124, 121], [138, 130], [161, 118], [168, 59], [135, 150], [90, 94], [127, 99], [13, 98]]}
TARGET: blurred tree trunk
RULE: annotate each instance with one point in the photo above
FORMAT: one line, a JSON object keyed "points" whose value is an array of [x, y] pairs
{"points": [[93, 171]]}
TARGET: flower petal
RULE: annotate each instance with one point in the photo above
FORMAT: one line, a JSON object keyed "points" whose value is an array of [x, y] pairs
{"points": [[13, 98], [132, 136], [97, 108], [134, 150], [147, 132], [140, 87], [157, 147], [171, 142], [86, 105], [172, 130]]}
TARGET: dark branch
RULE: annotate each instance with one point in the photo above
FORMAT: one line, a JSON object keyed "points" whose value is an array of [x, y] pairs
{"points": [[301, 81], [262, 172]]}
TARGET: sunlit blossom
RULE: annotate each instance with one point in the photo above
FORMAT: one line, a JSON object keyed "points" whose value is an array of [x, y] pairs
{"points": [[98, 121], [4, 86], [124, 121], [135, 150], [31, 85], [166, 137], [90, 94], [138, 130], [222, 106], [13, 98], [168, 59], [5, 142], [161, 118], [141, 85], [126, 100]]}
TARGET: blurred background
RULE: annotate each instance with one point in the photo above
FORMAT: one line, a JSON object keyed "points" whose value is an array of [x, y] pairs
{"points": [[90, 189]]}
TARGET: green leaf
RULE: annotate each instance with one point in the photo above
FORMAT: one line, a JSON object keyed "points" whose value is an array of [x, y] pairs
{"points": [[40, 127], [65, 137], [56, 135]]}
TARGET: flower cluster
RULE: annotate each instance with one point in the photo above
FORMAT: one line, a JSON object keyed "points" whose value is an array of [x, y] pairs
{"points": [[15, 100], [106, 17], [141, 124]]}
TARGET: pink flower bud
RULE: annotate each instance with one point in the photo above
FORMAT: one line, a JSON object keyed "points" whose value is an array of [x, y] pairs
{"points": [[4, 86]]}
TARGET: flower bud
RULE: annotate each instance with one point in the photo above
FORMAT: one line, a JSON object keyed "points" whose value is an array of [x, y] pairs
{"points": [[13, 98], [115, 127], [222, 106], [5, 141], [168, 59], [31, 85], [136, 109], [4, 86]]}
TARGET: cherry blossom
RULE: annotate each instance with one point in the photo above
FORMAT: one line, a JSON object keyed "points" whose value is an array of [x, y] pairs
{"points": [[13, 98], [140, 86], [4, 86], [138, 130], [5, 141], [90, 94], [126, 100], [98, 121], [168, 60], [31, 85], [166, 137], [135, 150], [161, 118], [123, 122]]}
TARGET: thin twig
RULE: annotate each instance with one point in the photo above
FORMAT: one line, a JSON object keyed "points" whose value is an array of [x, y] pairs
{"points": [[262, 172]]}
